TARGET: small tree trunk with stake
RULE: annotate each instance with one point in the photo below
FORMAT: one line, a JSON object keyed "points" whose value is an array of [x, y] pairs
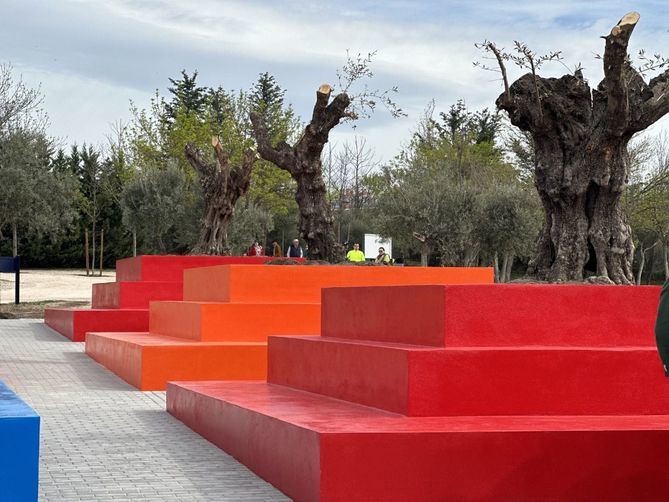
{"points": [[651, 265], [86, 251], [93, 249], [641, 265], [222, 185], [508, 258], [134, 242], [643, 250], [102, 247]]}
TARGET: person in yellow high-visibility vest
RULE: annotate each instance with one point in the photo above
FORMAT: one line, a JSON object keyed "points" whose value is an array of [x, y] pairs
{"points": [[355, 255]]}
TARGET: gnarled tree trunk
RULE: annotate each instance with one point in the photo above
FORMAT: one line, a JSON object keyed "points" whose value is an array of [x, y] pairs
{"points": [[303, 162], [580, 140], [222, 185]]}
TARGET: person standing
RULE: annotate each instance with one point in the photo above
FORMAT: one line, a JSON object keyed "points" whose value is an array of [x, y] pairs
{"points": [[256, 250], [276, 249], [382, 258], [295, 250], [355, 255]]}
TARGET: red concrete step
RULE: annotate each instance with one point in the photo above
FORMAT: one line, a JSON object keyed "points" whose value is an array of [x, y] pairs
{"points": [[317, 448], [494, 315], [304, 283], [148, 361], [170, 267], [75, 323], [232, 321], [424, 381], [134, 295]]}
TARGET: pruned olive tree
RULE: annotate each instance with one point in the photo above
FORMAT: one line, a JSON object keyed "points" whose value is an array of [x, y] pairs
{"points": [[580, 137], [222, 185], [303, 159]]}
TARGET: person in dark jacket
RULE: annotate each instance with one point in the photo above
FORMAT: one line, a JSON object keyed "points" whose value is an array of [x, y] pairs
{"points": [[662, 328], [295, 250]]}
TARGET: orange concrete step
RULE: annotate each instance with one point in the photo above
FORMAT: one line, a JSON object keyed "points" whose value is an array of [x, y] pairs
{"points": [[149, 361], [303, 283], [251, 322]]}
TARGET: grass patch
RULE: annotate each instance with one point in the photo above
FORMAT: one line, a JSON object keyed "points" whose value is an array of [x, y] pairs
{"points": [[33, 310]]}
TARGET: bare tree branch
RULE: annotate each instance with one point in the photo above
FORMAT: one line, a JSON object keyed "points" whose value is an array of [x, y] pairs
{"points": [[281, 155]]}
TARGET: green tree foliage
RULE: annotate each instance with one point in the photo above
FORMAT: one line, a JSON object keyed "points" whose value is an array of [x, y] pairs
{"points": [[34, 199], [187, 96], [452, 194], [273, 188], [646, 202], [158, 135], [251, 223], [158, 206]]}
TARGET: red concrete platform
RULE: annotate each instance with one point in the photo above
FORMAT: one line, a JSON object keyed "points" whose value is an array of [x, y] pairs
{"points": [[318, 448], [503, 315], [134, 295], [75, 323], [454, 393], [247, 304], [171, 267], [417, 380], [139, 281]]}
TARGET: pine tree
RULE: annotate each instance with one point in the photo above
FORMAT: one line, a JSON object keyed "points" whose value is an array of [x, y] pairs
{"points": [[188, 96]]}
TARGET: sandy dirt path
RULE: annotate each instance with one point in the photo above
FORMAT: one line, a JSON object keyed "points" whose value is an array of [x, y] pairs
{"points": [[52, 285]]}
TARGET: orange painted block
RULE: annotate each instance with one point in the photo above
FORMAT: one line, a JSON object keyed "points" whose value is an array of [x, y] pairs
{"points": [[301, 283], [147, 361], [233, 321]]}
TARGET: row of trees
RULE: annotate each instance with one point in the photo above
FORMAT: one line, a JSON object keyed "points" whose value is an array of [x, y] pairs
{"points": [[467, 190]]}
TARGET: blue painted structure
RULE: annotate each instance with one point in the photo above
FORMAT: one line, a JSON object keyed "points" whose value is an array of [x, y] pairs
{"points": [[12, 264], [19, 448]]}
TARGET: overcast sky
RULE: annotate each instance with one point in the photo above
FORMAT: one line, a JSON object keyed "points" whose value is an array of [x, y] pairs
{"points": [[93, 56]]}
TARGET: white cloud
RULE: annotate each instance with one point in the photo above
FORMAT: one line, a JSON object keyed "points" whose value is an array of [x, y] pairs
{"points": [[81, 109], [424, 47]]}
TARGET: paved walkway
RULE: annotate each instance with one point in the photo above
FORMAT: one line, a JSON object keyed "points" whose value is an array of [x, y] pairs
{"points": [[102, 440]]}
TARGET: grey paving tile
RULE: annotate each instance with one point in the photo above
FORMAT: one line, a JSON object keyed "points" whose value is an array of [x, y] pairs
{"points": [[103, 440]]}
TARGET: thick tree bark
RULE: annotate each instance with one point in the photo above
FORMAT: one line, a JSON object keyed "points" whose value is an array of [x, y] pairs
{"points": [[222, 185], [303, 162], [580, 140]]}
